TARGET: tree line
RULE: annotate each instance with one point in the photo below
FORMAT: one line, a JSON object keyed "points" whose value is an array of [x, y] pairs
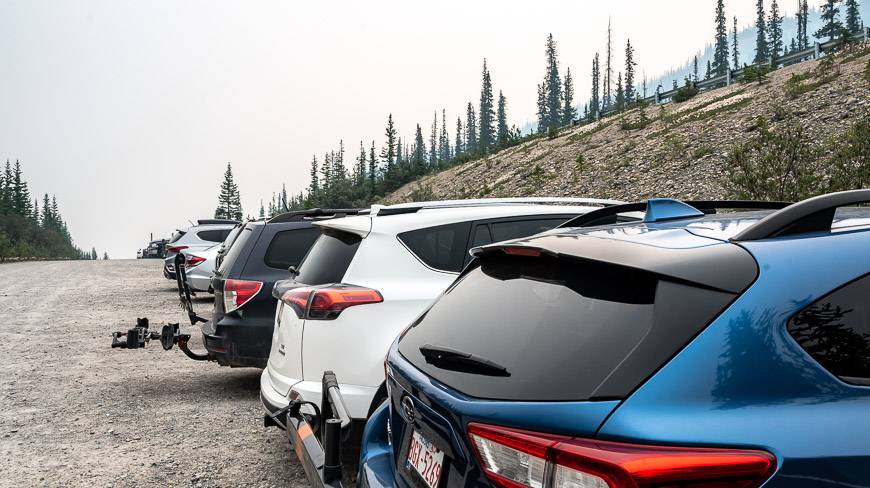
{"points": [[30, 228]]}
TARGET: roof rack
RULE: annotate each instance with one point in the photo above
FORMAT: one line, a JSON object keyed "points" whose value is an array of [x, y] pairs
{"points": [[413, 207], [216, 221], [300, 215], [811, 215], [660, 209]]}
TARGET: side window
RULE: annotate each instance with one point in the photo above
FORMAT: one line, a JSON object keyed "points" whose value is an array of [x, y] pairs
{"points": [[441, 247], [835, 331], [481, 236], [504, 231], [213, 235], [289, 247]]}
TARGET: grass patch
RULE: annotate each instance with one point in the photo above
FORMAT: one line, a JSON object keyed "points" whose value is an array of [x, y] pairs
{"points": [[860, 53], [541, 156], [642, 122], [803, 83], [702, 152]]}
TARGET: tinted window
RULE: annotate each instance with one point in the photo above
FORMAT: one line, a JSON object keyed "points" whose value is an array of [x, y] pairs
{"points": [[238, 245], [289, 247], [481, 236], [835, 331], [558, 334], [178, 235], [213, 235], [329, 258], [441, 247], [503, 231]]}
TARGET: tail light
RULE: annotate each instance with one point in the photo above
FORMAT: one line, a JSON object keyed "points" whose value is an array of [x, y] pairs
{"points": [[176, 249], [238, 292], [328, 303], [193, 261], [514, 458]]}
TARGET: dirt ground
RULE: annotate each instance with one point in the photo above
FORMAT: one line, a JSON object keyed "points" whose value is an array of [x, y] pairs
{"points": [[74, 412]]}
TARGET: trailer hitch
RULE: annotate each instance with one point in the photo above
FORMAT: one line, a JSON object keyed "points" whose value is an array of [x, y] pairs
{"points": [[137, 337]]}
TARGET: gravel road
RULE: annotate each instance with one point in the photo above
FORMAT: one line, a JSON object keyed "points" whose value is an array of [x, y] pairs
{"points": [[74, 412]]}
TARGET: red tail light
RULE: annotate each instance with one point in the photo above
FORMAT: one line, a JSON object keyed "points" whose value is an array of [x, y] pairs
{"points": [[522, 251], [328, 303], [239, 292], [176, 249], [193, 261], [514, 458]]}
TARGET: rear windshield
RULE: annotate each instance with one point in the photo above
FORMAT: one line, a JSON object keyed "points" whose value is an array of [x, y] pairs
{"points": [[554, 329], [289, 247], [329, 258], [217, 235], [178, 235], [235, 249]]}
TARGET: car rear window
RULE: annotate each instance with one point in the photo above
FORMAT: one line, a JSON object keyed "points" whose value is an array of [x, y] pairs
{"points": [[235, 249], [213, 235], [562, 329], [503, 231], [329, 258], [442, 247], [178, 235], [835, 331], [289, 247]]}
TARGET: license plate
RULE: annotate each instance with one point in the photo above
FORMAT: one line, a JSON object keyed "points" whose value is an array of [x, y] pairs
{"points": [[426, 459]]}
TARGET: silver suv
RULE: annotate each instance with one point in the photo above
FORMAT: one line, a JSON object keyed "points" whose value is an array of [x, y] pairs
{"points": [[205, 234]]}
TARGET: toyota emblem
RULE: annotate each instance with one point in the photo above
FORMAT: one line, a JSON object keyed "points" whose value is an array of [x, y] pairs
{"points": [[408, 409]]}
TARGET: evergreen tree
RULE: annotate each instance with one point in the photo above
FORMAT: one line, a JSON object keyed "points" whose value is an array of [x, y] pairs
{"points": [[707, 75], [314, 184], [608, 71], [373, 171], [418, 159], [552, 88], [853, 16], [361, 167], [105, 256], [620, 94], [93, 254], [695, 68], [502, 130], [388, 153], [486, 114], [630, 92], [774, 31], [831, 20], [803, 35], [20, 194], [542, 109], [459, 146], [735, 50], [720, 41], [433, 143], [228, 206], [262, 213], [569, 113], [6, 189], [595, 100], [762, 52], [471, 131], [444, 139]]}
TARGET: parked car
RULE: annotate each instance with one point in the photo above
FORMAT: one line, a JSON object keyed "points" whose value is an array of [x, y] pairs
{"points": [[155, 250], [140, 253], [685, 350], [206, 233], [199, 267], [368, 276], [255, 256]]}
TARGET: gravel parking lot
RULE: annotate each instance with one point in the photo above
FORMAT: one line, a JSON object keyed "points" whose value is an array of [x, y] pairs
{"points": [[74, 412]]}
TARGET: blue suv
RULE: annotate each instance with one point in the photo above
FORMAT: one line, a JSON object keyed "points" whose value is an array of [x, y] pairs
{"points": [[684, 347]]}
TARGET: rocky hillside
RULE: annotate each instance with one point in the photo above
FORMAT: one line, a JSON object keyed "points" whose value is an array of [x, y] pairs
{"points": [[673, 150]]}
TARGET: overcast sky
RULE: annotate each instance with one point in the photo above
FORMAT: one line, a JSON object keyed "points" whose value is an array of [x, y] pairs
{"points": [[129, 111]]}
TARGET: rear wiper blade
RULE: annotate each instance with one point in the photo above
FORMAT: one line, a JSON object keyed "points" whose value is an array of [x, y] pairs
{"points": [[451, 359]]}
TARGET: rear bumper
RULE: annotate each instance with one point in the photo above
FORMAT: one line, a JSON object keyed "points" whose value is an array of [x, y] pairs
{"points": [[169, 275], [376, 454], [238, 343]]}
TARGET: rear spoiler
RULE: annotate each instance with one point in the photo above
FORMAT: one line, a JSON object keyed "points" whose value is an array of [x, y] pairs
{"points": [[660, 209]]}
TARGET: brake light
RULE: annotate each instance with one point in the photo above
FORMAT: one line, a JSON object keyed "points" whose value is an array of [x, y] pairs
{"points": [[176, 249], [328, 303], [238, 292], [193, 261], [514, 458], [522, 251]]}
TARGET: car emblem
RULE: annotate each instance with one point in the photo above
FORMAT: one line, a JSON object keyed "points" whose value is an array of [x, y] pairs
{"points": [[408, 409]]}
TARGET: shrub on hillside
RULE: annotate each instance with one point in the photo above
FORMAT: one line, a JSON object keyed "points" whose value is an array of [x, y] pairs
{"points": [[755, 74], [850, 163], [685, 93], [867, 72]]}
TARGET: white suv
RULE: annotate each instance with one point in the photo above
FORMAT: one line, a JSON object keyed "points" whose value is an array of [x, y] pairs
{"points": [[367, 277]]}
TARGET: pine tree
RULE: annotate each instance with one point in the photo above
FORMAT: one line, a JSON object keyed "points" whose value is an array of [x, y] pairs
{"points": [[388, 153], [433, 143], [502, 130], [735, 50], [373, 171], [459, 145], [707, 75], [471, 131], [418, 159], [774, 31], [695, 68], [569, 113], [620, 94], [6, 190], [853, 16], [803, 35], [831, 19], [444, 139], [762, 52], [542, 109], [94, 254], [630, 92], [608, 70], [720, 42], [105, 256], [314, 184], [486, 113], [20, 194], [47, 219], [595, 99], [361, 166], [552, 88]]}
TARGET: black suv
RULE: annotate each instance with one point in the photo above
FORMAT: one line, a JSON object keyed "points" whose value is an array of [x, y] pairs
{"points": [[257, 254]]}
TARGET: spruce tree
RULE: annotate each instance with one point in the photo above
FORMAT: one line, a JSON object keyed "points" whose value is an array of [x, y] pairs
{"points": [[459, 145], [695, 68], [552, 88], [595, 99], [803, 35], [720, 41], [262, 213], [314, 182], [620, 94], [21, 204], [502, 129], [762, 52], [388, 153], [486, 113], [707, 75], [542, 109], [630, 92], [372, 173], [831, 20], [774, 31], [569, 113], [853, 16], [418, 159], [471, 131], [361, 166], [433, 143], [444, 139], [735, 50], [608, 71]]}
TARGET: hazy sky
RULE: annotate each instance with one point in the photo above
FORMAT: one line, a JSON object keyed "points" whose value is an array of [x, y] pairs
{"points": [[129, 111]]}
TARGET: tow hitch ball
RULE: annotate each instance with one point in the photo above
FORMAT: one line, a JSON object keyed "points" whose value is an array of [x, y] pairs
{"points": [[140, 335]]}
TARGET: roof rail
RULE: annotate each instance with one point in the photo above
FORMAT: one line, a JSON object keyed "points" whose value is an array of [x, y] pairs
{"points": [[300, 215], [216, 221], [811, 215], [413, 207], [655, 210]]}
